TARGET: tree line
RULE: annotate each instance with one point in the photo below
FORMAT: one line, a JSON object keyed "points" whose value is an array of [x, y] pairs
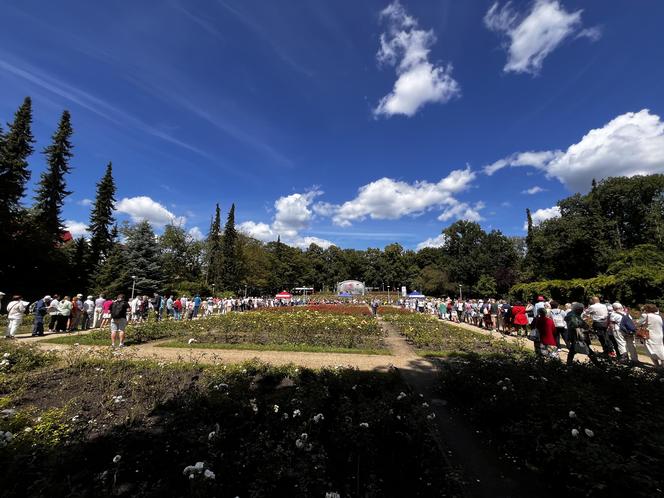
{"points": [[604, 231]]}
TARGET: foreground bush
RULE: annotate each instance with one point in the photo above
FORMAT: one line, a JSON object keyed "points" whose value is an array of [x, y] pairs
{"points": [[103, 428], [584, 430]]}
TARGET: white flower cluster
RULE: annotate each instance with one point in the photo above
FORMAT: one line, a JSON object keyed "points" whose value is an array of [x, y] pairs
{"points": [[253, 404], [506, 383], [319, 417], [332, 494], [296, 413], [364, 425], [192, 471], [301, 442], [401, 396], [218, 387], [118, 399], [4, 363], [5, 438], [117, 458]]}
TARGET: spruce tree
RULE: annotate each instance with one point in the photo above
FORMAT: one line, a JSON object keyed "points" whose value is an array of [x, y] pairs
{"points": [[101, 219], [15, 228], [230, 254], [52, 191], [15, 148], [113, 276], [214, 250], [144, 257]]}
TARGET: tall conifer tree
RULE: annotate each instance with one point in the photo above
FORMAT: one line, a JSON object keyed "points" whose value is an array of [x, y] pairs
{"points": [[101, 219], [15, 148], [52, 191], [214, 250], [230, 254]]}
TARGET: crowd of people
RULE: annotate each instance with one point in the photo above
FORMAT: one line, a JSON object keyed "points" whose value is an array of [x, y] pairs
{"points": [[57, 314], [553, 326]]}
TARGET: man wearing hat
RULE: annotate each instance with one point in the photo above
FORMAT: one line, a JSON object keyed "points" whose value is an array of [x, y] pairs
{"points": [[41, 308]]}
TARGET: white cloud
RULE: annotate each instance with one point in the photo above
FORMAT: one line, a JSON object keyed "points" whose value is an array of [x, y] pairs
{"points": [[438, 241], [390, 199], [144, 208], [259, 231], [531, 37], [536, 159], [305, 242], [196, 233], [293, 213], [542, 215], [533, 190], [463, 211], [84, 202], [76, 228], [418, 81], [628, 145]]}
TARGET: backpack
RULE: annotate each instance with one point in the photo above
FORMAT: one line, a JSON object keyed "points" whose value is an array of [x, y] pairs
{"points": [[118, 310], [627, 325], [558, 318]]}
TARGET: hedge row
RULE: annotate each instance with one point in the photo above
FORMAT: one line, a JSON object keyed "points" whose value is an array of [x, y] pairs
{"points": [[631, 286]]}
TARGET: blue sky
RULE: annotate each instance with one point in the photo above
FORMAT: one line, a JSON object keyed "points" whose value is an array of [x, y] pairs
{"points": [[353, 123]]}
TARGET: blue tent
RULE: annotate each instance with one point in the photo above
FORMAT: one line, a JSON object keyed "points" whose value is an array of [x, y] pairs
{"points": [[415, 294], [345, 294]]}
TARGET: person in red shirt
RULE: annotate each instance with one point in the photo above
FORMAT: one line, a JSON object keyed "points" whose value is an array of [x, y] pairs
{"points": [[520, 320], [547, 338]]}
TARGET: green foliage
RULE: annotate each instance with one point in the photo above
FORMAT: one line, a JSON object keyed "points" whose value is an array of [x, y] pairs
{"points": [[214, 254], [528, 409], [231, 258], [102, 220], [143, 256], [618, 214], [433, 336], [51, 191], [486, 286], [19, 358]]}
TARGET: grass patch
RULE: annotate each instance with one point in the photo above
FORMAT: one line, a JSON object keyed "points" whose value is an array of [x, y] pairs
{"points": [[304, 348]]}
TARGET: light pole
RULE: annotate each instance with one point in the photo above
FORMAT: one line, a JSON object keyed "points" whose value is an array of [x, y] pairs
{"points": [[245, 291], [212, 290], [388, 294], [460, 295], [133, 285]]}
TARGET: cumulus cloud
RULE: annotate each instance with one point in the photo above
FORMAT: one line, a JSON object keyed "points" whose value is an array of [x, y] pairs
{"points": [[530, 37], [76, 228], [84, 202], [628, 145], [463, 211], [305, 242], [438, 241], [388, 199], [144, 208], [542, 215], [533, 190], [406, 47], [195, 233], [259, 231], [293, 213]]}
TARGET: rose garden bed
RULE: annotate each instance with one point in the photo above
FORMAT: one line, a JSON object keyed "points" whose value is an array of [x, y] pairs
{"points": [[108, 427], [583, 430], [433, 337]]}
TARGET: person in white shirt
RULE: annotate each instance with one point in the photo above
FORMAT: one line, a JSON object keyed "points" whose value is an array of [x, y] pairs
{"points": [[53, 312], [15, 313], [600, 317], [88, 313], [650, 318], [625, 340], [99, 311]]}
